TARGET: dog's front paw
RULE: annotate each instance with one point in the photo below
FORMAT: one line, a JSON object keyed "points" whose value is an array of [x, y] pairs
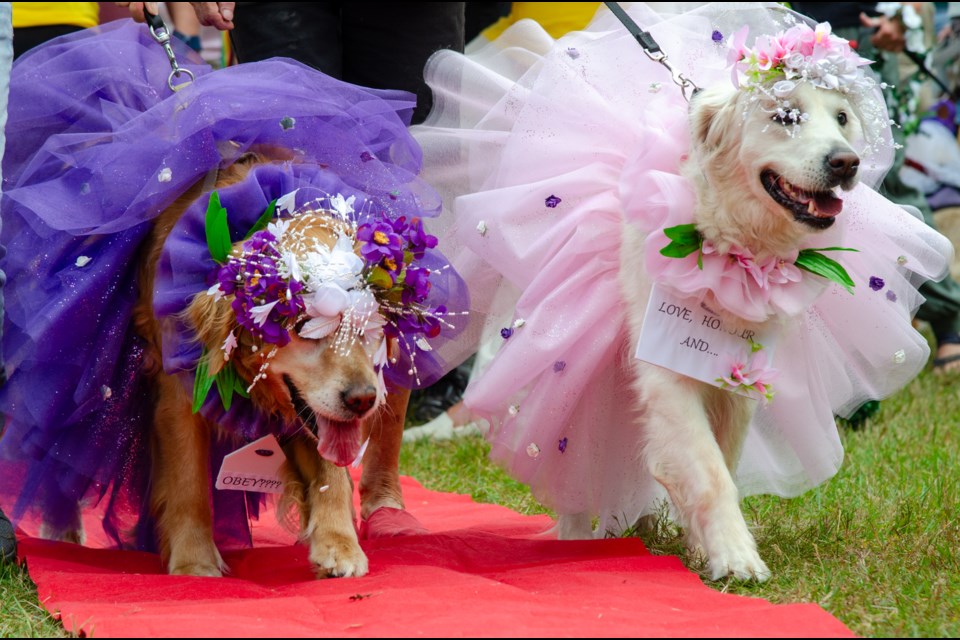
{"points": [[195, 555], [338, 556], [739, 561], [574, 526], [728, 545], [200, 570]]}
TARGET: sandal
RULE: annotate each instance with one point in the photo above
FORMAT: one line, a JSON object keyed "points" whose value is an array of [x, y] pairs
{"points": [[942, 365]]}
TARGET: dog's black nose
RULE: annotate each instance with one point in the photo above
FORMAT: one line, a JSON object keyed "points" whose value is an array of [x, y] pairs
{"points": [[843, 164], [359, 399]]}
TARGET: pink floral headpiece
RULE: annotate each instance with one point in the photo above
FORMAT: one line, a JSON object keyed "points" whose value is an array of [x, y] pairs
{"points": [[776, 64], [801, 54]]}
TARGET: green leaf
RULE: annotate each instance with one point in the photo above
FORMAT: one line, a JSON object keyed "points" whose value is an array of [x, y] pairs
{"points": [[226, 381], [218, 231], [240, 388], [833, 249], [380, 277], [814, 262], [683, 233], [201, 382], [263, 220], [684, 240]]}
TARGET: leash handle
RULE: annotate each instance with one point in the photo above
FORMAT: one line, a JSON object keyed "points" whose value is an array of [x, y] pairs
{"points": [[653, 50], [161, 34]]}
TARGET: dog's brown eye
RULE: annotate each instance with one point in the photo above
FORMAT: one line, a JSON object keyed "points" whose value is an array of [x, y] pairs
{"points": [[842, 118]]}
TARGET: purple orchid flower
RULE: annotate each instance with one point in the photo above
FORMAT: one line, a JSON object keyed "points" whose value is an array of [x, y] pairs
{"points": [[409, 323], [416, 286], [419, 239], [379, 242]]}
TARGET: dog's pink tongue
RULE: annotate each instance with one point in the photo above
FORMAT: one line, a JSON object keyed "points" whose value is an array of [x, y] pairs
{"points": [[828, 205], [339, 442]]}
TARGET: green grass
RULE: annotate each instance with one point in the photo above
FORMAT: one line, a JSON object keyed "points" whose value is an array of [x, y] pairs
{"points": [[876, 546], [21, 615]]}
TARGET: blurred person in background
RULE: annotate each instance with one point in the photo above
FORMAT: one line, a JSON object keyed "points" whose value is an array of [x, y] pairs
{"points": [[36, 22]]}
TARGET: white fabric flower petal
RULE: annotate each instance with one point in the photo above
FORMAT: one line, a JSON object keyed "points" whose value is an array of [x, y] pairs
{"points": [[229, 345], [328, 300], [363, 302], [278, 228], [287, 202], [262, 312], [293, 266], [343, 207], [319, 328], [380, 357], [215, 291]]}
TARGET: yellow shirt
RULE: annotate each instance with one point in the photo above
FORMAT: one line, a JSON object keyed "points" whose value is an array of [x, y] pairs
{"points": [[44, 14], [556, 18]]}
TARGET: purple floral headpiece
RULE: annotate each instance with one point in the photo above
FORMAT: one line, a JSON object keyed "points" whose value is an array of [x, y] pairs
{"points": [[368, 286]]}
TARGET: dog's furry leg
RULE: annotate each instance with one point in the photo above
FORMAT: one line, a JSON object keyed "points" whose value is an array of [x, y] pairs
{"points": [[70, 531], [180, 487], [682, 453], [380, 480], [323, 494], [574, 526], [729, 415]]}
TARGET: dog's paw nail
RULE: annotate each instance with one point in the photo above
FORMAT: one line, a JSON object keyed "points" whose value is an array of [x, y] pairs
{"points": [[343, 569], [197, 570], [742, 569]]}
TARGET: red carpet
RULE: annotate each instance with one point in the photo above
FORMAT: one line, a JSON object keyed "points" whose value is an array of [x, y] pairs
{"points": [[482, 572]]}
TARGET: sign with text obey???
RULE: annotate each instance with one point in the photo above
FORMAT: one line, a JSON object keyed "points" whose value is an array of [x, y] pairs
{"points": [[255, 467]]}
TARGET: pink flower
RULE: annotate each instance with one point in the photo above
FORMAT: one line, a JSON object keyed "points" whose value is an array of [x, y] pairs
{"points": [[744, 258], [769, 52], [737, 374], [779, 271], [754, 375]]}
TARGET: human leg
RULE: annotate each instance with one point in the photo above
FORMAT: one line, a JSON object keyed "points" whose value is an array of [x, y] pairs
{"points": [[406, 35]]}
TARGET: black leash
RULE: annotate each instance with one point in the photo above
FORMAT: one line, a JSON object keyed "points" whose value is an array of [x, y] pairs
{"points": [[922, 64], [652, 49]]}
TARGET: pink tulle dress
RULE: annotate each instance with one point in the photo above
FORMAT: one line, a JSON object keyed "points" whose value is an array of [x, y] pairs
{"points": [[544, 150]]}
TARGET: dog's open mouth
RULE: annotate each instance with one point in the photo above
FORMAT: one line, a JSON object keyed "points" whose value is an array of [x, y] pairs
{"points": [[338, 442], [816, 209]]}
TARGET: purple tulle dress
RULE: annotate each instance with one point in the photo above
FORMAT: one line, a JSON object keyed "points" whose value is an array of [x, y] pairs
{"points": [[97, 147]]}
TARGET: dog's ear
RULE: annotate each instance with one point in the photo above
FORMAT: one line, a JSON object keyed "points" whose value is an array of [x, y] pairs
{"points": [[259, 154], [711, 114], [212, 321]]}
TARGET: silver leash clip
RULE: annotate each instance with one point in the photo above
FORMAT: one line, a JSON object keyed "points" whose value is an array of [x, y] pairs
{"points": [[687, 86], [161, 34], [653, 51]]}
